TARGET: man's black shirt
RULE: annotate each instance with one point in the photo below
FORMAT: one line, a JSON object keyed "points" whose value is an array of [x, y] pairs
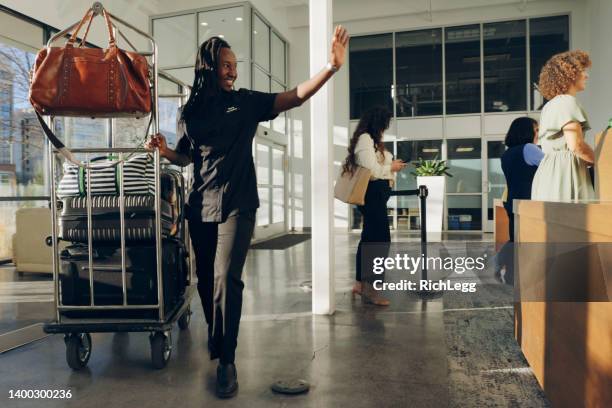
{"points": [[219, 140]]}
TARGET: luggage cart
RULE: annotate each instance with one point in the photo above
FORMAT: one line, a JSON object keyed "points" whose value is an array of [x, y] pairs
{"points": [[158, 321]]}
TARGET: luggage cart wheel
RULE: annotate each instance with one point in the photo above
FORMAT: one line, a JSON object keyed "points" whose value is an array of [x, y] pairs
{"points": [[161, 349], [78, 350], [185, 319]]}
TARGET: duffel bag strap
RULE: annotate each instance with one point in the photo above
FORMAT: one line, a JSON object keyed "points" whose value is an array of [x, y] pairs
{"points": [[67, 154]]}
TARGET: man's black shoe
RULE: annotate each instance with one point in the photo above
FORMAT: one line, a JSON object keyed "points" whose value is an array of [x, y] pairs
{"points": [[227, 380]]}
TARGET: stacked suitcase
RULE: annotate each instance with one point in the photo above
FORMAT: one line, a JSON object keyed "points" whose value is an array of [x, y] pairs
{"points": [[140, 249]]}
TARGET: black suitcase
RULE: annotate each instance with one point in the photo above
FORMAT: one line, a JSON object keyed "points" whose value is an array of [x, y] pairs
{"points": [[139, 215], [141, 278], [105, 217]]}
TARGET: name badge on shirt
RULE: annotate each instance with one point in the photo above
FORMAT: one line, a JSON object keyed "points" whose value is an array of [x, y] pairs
{"points": [[231, 109]]}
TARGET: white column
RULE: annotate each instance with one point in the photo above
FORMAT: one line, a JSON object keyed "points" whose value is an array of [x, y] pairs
{"points": [[321, 162]]}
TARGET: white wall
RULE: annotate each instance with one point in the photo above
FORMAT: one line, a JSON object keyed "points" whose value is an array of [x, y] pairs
{"points": [[596, 98], [360, 17]]}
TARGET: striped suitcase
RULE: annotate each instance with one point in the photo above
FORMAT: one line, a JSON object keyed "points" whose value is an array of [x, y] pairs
{"points": [[138, 170]]}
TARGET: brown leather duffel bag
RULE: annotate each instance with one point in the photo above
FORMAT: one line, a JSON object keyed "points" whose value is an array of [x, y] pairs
{"points": [[81, 81]]}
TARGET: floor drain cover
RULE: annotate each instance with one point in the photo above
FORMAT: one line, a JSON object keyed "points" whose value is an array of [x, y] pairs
{"points": [[290, 386], [306, 286], [429, 294]]}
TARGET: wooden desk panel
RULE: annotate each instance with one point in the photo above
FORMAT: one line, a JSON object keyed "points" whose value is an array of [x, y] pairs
{"points": [[568, 344]]}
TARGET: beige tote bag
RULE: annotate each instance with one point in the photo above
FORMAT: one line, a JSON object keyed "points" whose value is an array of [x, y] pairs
{"points": [[351, 189]]}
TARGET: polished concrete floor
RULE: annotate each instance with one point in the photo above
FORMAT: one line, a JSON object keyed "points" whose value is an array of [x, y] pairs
{"points": [[455, 351], [25, 299]]}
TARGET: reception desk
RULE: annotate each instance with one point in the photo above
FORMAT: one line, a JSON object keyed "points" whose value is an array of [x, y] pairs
{"points": [[563, 288]]}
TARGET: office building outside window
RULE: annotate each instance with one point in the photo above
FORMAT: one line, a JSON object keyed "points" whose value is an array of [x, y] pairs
{"points": [[22, 144], [505, 68], [418, 56], [371, 73], [462, 61], [547, 36]]}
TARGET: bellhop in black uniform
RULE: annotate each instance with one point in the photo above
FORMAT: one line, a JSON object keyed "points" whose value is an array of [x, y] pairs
{"points": [[220, 125], [222, 205]]}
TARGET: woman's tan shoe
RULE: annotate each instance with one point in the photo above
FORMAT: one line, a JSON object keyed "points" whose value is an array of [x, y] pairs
{"points": [[357, 289], [371, 296]]}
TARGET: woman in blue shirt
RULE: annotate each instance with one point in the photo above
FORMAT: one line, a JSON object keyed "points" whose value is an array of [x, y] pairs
{"points": [[520, 162]]}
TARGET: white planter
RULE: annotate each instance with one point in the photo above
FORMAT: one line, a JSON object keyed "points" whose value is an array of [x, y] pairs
{"points": [[436, 186]]}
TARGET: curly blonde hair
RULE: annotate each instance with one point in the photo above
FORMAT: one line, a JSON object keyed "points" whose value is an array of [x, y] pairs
{"points": [[561, 71]]}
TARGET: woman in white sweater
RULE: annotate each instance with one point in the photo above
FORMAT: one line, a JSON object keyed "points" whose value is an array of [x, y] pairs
{"points": [[367, 150]]}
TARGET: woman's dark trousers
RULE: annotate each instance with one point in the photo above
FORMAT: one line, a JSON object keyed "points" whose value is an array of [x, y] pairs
{"points": [[220, 252], [375, 234]]}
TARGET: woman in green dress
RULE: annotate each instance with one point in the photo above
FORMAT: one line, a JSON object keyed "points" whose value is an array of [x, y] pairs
{"points": [[563, 174]]}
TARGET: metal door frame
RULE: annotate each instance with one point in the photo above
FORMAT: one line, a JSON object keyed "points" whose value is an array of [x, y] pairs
{"points": [[487, 225]]}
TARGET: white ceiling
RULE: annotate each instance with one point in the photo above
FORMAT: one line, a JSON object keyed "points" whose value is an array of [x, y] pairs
{"points": [[359, 10]]}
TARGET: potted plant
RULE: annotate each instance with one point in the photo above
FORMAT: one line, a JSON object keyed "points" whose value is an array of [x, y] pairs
{"points": [[431, 173]]}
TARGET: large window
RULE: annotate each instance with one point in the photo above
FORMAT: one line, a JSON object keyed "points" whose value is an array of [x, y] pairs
{"points": [[268, 67], [261, 43], [23, 148], [231, 24], [419, 72], [169, 32], [22, 144], [462, 50], [505, 70], [547, 36], [455, 60], [228, 23], [78, 132], [371, 73], [278, 56]]}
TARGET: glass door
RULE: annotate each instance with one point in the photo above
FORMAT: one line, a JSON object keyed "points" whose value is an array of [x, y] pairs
{"points": [[494, 182], [464, 189], [270, 162]]}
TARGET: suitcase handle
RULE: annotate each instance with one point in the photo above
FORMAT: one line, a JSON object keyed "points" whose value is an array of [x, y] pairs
{"points": [[102, 268]]}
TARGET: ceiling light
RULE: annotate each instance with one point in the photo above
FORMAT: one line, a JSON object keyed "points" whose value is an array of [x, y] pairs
{"points": [[464, 149], [430, 150], [238, 18], [204, 23]]}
